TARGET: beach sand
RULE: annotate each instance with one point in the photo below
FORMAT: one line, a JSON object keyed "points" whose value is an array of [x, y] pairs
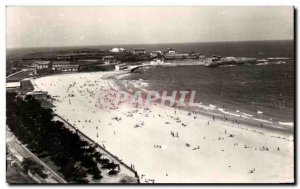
{"points": [[200, 152]]}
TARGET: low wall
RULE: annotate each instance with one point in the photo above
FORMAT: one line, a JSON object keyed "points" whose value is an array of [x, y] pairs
{"points": [[88, 139]]}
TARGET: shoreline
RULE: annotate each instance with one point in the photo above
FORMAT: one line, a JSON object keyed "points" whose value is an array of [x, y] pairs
{"points": [[170, 158], [250, 122]]}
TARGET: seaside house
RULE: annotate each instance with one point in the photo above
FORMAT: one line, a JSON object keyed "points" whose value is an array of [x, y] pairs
{"points": [[172, 54], [69, 68], [170, 51], [138, 51], [43, 67], [56, 65], [42, 64]]}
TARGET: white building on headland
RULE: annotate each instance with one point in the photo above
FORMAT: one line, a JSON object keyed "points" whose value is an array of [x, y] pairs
{"points": [[117, 50]]}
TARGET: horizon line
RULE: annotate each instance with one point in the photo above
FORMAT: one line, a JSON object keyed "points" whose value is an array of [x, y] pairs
{"points": [[69, 46]]}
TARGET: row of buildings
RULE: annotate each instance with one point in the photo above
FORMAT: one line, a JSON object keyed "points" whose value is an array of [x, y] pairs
{"points": [[142, 51], [169, 53], [111, 57], [63, 66], [114, 56]]}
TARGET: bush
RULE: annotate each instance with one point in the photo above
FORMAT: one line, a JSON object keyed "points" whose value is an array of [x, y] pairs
{"points": [[96, 173], [75, 174], [42, 155], [104, 161], [112, 172], [110, 166]]}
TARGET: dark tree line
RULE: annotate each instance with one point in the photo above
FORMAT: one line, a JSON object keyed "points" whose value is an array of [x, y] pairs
{"points": [[33, 126], [128, 57]]}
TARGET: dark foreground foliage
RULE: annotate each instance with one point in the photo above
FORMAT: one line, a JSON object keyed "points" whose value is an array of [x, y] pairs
{"points": [[33, 126], [33, 167]]}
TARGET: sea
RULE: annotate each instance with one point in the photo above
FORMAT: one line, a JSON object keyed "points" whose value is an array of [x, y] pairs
{"points": [[264, 91]]}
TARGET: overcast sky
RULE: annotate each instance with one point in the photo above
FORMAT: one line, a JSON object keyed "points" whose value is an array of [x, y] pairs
{"points": [[75, 26]]}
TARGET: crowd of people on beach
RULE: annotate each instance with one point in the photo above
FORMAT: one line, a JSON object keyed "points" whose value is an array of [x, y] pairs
{"points": [[86, 91]]}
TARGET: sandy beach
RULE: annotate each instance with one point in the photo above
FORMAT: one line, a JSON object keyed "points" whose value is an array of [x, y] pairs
{"points": [[168, 146]]}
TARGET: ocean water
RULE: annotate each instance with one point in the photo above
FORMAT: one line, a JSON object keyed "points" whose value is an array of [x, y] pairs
{"points": [[243, 90]]}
